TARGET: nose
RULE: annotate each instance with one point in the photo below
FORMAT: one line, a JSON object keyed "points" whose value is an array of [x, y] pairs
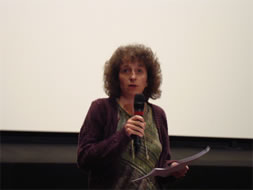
{"points": [[133, 75]]}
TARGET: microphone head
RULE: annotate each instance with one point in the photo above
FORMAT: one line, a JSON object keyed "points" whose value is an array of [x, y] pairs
{"points": [[139, 101]]}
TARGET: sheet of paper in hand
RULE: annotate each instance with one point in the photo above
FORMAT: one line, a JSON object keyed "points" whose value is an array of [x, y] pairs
{"points": [[164, 172]]}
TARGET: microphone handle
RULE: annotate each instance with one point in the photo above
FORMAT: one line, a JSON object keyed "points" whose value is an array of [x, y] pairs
{"points": [[137, 143]]}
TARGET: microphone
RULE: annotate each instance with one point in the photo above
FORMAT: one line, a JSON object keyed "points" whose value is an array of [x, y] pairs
{"points": [[139, 101]]}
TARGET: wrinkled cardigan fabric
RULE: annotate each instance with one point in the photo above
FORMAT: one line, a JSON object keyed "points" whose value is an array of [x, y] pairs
{"points": [[100, 144]]}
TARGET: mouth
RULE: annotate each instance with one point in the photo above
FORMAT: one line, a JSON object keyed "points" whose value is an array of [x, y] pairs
{"points": [[132, 85]]}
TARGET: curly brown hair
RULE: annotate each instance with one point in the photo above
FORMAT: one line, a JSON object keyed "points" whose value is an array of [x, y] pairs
{"points": [[133, 52]]}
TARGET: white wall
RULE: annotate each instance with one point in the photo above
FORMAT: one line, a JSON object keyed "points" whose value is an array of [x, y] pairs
{"points": [[53, 52]]}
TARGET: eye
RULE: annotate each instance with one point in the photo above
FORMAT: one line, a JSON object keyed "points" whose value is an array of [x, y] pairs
{"points": [[125, 70], [139, 70]]}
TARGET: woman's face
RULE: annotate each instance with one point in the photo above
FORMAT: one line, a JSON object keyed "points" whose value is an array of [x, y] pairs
{"points": [[133, 78]]}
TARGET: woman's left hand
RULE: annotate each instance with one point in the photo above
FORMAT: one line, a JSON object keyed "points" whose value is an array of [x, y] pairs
{"points": [[180, 173]]}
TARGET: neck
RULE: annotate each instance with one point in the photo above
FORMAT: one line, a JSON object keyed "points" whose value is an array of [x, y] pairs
{"points": [[127, 104]]}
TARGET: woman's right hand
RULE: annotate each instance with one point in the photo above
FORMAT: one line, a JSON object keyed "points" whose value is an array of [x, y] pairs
{"points": [[135, 126]]}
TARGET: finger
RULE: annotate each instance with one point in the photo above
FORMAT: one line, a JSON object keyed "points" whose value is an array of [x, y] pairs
{"points": [[174, 164], [138, 124], [136, 129], [139, 127], [137, 118], [129, 131], [134, 132]]}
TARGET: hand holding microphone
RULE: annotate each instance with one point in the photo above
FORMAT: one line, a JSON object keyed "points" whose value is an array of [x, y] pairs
{"points": [[135, 126]]}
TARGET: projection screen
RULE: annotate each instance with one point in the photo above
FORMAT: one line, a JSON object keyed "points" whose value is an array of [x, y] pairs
{"points": [[53, 53]]}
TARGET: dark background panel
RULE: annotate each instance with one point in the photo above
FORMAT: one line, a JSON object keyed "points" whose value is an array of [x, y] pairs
{"points": [[33, 160], [59, 176]]}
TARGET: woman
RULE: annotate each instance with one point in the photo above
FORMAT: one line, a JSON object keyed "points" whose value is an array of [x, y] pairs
{"points": [[105, 144]]}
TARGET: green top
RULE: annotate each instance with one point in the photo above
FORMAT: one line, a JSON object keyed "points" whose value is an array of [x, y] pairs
{"points": [[134, 165]]}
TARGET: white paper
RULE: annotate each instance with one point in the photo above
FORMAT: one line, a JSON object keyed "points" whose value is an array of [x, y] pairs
{"points": [[164, 172]]}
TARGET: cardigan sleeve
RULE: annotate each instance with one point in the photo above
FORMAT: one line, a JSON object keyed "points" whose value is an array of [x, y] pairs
{"points": [[95, 148], [165, 159], [161, 122]]}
